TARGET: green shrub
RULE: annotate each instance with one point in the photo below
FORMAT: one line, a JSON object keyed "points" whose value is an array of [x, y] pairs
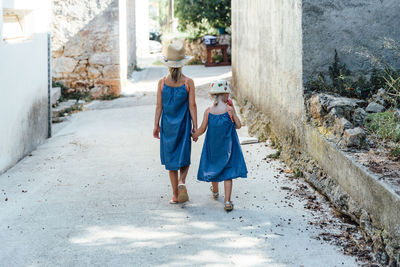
{"points": [[384, 125], [340, 81], [195, 61], [395, 153], [195, 13], [217, 58], [109, 96], [67, 93]]}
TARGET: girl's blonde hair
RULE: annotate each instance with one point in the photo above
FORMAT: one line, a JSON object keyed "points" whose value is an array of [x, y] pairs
{"points": [[176, 73]]}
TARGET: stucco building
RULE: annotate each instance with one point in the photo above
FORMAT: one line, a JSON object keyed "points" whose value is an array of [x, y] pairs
{"points": [[24, 109]]}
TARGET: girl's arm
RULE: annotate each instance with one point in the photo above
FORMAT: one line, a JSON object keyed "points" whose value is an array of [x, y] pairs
{"points": [[192, 104], [156, 130], [236, 119], [203, 126]]}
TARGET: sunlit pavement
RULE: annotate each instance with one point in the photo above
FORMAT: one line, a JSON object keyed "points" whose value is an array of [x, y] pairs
{"points": [[95, 194]]}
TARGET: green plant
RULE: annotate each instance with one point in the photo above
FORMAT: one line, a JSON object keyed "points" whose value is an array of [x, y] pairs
{"points": [[217, 58], [68, 93], [275, 155], [195, 32], [109, 96], [194, 13], [384, 125], [297, 172], [162, 13], [195, 61], [63, 88], [75, 107], [392, 86], [395, 153]]}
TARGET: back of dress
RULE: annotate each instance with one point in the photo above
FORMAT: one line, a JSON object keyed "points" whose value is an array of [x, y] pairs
{"points": [[175, 132], [222, 157]]}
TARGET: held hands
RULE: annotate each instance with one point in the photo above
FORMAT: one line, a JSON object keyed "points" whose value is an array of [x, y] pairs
{"points": [[156, 132], [195, 138]]}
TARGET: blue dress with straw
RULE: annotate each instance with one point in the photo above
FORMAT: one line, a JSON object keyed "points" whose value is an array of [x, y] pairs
{"points": [[222, 157], [175, 130]]}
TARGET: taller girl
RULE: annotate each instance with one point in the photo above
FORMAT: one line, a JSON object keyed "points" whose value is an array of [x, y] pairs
{"points": [[176, 106]]}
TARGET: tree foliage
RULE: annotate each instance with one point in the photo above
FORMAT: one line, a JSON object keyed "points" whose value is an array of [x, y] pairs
{"points": [[194, 13]]}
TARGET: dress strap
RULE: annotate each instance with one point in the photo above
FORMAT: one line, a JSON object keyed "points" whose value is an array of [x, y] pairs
{"points": [[229, 112], [186, 84]]}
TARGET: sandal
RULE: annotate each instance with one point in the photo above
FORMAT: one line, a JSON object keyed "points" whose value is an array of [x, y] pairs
{"points": [[228, 206], [215, 194], [173, 201], [182, 194]]}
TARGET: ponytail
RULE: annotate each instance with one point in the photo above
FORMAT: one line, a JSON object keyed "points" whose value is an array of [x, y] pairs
{"points": [[176, 74]]}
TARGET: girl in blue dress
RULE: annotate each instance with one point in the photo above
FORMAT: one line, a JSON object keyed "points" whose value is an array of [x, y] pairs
{"points": [[222, 157], [176, 107]]}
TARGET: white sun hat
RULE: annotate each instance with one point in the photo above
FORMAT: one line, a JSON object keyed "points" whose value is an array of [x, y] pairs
{"points": [[175, 56], [220, 87]]}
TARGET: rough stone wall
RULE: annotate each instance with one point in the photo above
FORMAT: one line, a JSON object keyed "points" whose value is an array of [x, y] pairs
{"points": [[196, 49], [85, 44], [358, 29]]}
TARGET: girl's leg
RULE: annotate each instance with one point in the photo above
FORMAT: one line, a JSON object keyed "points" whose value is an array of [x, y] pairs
{"points": [[228, 190], [214, 187], [183, 173], [173, 176]]}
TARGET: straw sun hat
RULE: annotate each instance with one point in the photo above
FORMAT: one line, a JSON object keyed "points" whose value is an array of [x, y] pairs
{"points": [[220, 87], [175, 56]]}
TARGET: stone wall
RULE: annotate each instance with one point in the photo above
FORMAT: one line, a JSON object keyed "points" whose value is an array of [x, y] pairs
{"points": [[357, 29], [86, 45]]}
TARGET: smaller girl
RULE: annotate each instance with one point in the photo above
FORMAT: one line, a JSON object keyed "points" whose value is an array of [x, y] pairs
{"points": [[222, 157]]}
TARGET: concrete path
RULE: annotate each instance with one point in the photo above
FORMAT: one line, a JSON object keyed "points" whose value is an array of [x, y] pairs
{"points": [[95, 194]]}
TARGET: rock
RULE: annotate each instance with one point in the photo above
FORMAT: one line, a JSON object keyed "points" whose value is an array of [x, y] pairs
{"points": [[59, 119], [111, 72], [341, 124], [63, 107], [64, 64], [359, 116], [73, 49], [343, 102], [378, 99], [354, 137], [248, 140], [93, 73], [332, 116], [381, 92], [344, 106], [55, 94], [104, 59], [316, 104], [397, 114], [374, 108], [96, 92]]}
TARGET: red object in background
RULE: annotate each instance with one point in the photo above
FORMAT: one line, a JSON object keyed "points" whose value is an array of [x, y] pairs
{"points": [[224, 49]]}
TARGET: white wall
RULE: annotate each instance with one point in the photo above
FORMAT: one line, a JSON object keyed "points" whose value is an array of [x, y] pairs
{"points": [[142, 27], [23, 86], [267, 59]]}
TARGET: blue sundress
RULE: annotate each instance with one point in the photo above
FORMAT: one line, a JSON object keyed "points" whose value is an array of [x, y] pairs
{"points": [[176, 125], [222, 157]]}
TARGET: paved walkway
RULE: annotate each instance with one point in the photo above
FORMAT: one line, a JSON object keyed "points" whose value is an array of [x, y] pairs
{"points": [[95, 194]]}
